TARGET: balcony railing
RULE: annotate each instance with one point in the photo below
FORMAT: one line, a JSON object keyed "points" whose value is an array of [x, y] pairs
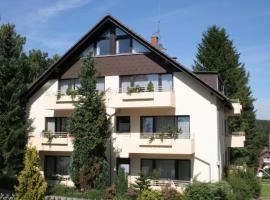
{"points": [[165, 135], [172, 183], [55, 134], [138, 89]]}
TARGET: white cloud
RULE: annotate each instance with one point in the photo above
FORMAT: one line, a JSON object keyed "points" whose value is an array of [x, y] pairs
{"points": [[52, 10]]}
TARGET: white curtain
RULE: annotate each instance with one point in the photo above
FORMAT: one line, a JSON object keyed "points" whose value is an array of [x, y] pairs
{"points": [[184, 125], [50, 125], [166, 169], [64, 84]]}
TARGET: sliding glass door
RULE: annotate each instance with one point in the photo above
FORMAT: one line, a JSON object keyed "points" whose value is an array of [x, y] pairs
{"points": [[169, 169]]}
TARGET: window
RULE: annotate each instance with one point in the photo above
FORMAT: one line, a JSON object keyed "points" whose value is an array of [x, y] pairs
{"points": [[147, 166], [100, 87], [164, 124], [167, 168], [123, 163], [166, 82], [122, 46], [74, 84], [56, 165], [123, 124], [147, 124], [159, 124], [88, 51], [56, 124], [161, 82], [138, 48], [65, 84], [103, 44]]}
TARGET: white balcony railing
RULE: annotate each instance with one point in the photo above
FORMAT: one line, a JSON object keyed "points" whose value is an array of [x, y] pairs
{"points": [[165, 136], [56, 141], [138, 89], [142, 97], [172, 183]]}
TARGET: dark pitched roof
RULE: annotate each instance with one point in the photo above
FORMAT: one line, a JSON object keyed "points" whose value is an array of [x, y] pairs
{"points": [[108, 18]]}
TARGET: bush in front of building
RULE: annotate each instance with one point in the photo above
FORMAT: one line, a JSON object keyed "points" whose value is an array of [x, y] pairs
{"points": [[170, 193], [208, 191], [150, 195], [121, 182], [244, 183], [32, 184]]}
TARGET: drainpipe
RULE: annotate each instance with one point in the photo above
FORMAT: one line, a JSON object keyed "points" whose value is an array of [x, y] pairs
{"points": [[207, 163]]}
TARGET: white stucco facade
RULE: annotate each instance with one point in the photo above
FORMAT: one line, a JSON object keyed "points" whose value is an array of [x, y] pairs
{"points": [[205, 148]]}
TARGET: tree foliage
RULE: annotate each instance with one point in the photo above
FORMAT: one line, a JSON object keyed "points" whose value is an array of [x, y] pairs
{"points": [[32, 184], [217, 53], [90, 127], [142, 182], [38, 62], [13, 84], [17, 71], [121, 182]]}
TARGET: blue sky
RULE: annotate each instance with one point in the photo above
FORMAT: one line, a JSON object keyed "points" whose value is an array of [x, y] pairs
{"points": [[55, 25]]}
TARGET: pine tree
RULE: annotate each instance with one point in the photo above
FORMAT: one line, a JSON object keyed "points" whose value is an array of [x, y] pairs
{"points": [[13, 83], [217, 53], [90, 127], [32, 184], [142, 182]]}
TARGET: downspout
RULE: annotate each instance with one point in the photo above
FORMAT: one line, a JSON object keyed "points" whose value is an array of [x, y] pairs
{"points": [[207, 163]]}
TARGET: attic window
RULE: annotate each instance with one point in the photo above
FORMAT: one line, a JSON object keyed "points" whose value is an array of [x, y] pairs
{"points": [[103, 44], [138, 48], [88, 51], [119, 32]]}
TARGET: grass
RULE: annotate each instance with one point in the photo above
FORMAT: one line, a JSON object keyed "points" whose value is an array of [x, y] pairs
{"points": [[265, 190]]}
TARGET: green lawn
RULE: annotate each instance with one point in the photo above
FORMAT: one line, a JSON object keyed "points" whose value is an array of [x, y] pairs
{"points": [[265, 189]]}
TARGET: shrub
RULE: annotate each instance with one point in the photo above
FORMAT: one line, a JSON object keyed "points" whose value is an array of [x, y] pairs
{"points": [[121, 182], [110, 192], [222, 190], [241, 190], [198, 191], [142, 182], [244, 183], [132, 193], [170, 193], [61, 190], [32, 184], [150, 195]]}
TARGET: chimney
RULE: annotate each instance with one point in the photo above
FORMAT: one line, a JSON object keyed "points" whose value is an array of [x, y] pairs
{"points": [[154, 40]]}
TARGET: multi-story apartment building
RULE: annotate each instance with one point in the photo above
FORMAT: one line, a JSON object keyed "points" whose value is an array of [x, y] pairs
{"points": [[148, 93]]}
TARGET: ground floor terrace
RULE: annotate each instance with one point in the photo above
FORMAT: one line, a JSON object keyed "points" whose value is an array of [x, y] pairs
{"points": [[161, 169]]}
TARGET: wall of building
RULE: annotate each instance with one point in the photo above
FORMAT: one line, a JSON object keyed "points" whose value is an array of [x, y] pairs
{"points": [[191, 99]]}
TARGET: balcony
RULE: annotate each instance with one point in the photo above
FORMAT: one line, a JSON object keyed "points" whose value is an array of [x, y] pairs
{"points": [[57, 141], [235, 139], [134, 143], [141, 97]]}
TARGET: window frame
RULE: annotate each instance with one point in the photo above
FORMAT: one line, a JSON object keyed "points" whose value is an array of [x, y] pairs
{"points": [[132, 79], [176, 165], [54, 164], [55, 123], [154, 121], [117, 124]]}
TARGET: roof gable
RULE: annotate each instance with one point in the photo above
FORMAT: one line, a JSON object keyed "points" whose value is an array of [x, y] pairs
{"points": [[74, 52]]}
